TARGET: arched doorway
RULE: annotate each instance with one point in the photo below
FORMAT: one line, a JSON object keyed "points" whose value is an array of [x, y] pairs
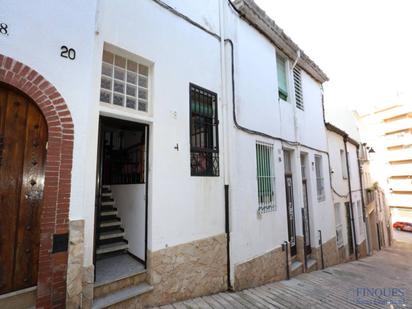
{"points": [[54, 218], [23, 140]]}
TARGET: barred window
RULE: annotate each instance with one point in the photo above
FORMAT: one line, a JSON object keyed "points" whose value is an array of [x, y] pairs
{"points": [[320, 182], [204, 143], [265, 177], [124, 82]]}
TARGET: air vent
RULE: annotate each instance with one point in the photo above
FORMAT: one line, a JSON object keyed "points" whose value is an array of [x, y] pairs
{"points": [[297, 79]]}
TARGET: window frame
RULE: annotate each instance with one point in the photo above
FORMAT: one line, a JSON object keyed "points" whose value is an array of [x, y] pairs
{"points": [[215, 172], [280, 91], [117, 51], [320, 181], [265, 207]]}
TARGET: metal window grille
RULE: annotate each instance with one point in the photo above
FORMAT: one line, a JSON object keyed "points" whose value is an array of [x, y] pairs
{"points": [[204, 143], [320, 183], [123, 164], [265, 177], [124, 82], [297, 80]]}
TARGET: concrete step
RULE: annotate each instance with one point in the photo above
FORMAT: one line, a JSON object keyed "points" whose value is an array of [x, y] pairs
{"points": [[113, 222], [109, 213], [296, 268], [111, 234], [25, 298], [312, 265], [107, 203], [105, 288], [121, 296], [113, 247]]}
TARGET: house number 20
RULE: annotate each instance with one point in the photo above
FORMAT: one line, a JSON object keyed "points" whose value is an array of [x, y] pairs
{"points": [[66, 52]]}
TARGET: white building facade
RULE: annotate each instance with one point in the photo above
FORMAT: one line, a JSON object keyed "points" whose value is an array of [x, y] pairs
{"points": [[186, 152], [347, 188], [388, 131]]}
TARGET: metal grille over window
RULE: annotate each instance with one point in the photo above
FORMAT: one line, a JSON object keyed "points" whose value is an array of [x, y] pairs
{"points": [[124, 82], [320, 186], [265, 177], [204, 144], [297, 80]]}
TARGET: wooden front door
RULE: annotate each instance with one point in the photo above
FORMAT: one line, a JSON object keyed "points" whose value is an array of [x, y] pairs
{"points": [[291, 214], [23, 139]]}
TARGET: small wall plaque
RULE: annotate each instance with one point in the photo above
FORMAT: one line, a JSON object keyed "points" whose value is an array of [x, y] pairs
{"points": [[60, 242]]}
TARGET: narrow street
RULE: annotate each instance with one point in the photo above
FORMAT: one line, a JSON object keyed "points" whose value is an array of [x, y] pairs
{"points": [[367, 283]]}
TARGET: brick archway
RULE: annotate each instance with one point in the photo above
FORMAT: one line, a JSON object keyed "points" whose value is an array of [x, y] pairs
{"points": [[51, 284]]}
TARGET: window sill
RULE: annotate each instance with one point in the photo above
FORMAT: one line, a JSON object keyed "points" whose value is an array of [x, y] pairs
{"points": [[282, 100]]}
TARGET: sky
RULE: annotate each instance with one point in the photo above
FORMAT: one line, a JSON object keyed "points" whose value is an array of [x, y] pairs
{"points": [[364, 46]]}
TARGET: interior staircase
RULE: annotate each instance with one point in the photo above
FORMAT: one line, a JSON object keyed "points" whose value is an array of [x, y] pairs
{"points": [[111, 235], [125, 291]]}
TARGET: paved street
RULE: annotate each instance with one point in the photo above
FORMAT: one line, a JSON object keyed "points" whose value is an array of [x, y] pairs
{"points": [[387, 273], [402, 236]]}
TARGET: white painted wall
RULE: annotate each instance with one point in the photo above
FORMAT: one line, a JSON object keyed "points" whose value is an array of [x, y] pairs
{"points": [[341, 186], [130, 202], [37, 30], [181, 208], [178, 53], [258, 108]]}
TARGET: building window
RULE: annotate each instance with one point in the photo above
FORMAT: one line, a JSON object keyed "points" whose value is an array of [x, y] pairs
{"points": [[343, 164], [320, 183], [360, 218], [204, 144], [124, 82], [339, 227], [265, 177], [303, 166], [282, 78], [297, 81]]}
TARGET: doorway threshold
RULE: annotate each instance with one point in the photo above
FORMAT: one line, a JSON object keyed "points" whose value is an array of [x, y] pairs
{"points": [[117, 267]]}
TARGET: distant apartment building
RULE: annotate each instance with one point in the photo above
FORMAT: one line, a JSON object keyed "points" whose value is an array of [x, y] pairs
{"points": [[389, 134]]}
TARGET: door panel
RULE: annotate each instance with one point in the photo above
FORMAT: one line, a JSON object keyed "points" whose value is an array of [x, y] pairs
{"points": [[306, 218], [23, 132], [291, 214], [349, 227]]}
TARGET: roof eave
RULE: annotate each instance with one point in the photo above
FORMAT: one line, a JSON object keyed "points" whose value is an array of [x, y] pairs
{"points": [[255, 16]]}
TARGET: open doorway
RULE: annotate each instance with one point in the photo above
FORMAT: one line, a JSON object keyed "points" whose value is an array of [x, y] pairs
{"points": [[121, 203], [305, 209], [290, 205]]}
